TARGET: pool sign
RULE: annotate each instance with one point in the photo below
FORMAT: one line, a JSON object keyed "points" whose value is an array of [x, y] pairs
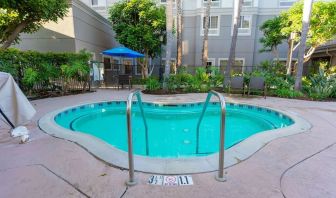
{"points": [[170, 180]]}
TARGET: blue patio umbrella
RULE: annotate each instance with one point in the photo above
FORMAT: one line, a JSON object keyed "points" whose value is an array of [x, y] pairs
{"points": [[123, 52]]}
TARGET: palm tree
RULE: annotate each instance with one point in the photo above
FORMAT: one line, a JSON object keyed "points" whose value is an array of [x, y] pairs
{"points": [[302, 48], [169, 30], [236, 21], [179, 26], [206, 21]]}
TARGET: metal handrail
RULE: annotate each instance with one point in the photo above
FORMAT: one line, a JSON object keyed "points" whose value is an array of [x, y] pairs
{"points": [[220, 176], [137, 93]]}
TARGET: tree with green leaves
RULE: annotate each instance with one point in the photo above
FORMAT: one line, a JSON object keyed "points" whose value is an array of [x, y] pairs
{"points": [[272, 35], [321, 29], [27, 16], [138, 25], [322, 24]]}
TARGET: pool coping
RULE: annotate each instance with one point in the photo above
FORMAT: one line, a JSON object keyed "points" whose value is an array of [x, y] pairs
{"points": [[185, 165]]}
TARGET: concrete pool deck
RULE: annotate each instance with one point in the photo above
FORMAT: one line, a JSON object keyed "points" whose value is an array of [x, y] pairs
{"points": [[301, 165]]}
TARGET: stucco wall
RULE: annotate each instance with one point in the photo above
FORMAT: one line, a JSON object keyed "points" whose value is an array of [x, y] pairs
{"points": [[82, 28], [92, 31]]}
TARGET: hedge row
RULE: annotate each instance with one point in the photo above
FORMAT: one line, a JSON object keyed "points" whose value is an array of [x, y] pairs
{"points": [[38, 72]]}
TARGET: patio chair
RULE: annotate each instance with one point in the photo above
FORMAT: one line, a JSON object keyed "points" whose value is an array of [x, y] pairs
{"points": [[237, 84], [257, 84], [125, 79]]}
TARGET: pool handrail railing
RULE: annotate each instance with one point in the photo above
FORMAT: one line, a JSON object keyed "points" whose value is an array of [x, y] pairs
{"points": [[220, 176], [137, 93]]}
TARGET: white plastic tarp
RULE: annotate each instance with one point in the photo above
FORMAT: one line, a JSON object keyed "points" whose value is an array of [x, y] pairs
{"points": [[13, 102]]}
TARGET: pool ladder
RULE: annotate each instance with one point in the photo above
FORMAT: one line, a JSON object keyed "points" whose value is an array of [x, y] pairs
{"points": [[137, 93]]}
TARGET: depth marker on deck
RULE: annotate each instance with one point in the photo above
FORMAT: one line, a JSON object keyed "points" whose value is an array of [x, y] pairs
{"points": [[171, 180]]}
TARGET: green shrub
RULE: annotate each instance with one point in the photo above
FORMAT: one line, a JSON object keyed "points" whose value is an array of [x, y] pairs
{"points": [[288, 93], [138, 81], [152, 84], [216, 78], [29, 79], [320, 86], [173, 82], [44, 68]]}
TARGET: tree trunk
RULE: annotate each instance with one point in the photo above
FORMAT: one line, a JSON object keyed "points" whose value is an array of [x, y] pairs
{"points": [[290, 54], [236, 21], [8, 42], [305, 28], [206, 21], [169, 29], [289, 58], [275, 52], [179, 26], [144, 66]]}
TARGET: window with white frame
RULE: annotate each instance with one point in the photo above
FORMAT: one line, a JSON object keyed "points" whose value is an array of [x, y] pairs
{"points": [[165, 1], [213, 25], [138, 69], [244, 26], [286, 3], [283, 61], [238, 67], [247, 3], [95, 3], [115, 64], [172, 63], [211, 62], [214, 3]]}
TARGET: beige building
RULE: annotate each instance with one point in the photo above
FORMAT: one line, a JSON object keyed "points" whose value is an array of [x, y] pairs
{"points": [[82, 28]]}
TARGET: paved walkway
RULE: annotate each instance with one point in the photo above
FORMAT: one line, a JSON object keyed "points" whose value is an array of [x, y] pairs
{"points": [[301, 165]]}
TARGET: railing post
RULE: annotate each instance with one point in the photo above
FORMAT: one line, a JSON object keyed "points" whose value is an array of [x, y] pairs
{"points": [[220, 177], [131, 181]]}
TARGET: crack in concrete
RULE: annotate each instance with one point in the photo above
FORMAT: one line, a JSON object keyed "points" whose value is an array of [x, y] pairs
{"points": [[122, 195], [299, 162], [60, 177]]}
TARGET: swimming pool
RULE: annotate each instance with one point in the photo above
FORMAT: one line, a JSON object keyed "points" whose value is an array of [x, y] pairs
{"points": [[171, 127]]}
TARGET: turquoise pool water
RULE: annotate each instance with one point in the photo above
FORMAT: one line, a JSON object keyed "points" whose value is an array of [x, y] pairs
{"points": [[171, 128]]}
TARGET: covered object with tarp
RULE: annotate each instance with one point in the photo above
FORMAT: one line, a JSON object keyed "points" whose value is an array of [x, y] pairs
{"points": [[14, 106]]}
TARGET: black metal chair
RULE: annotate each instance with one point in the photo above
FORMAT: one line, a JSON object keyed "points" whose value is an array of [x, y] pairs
{"points": [[257, 84], [125, 79], [237, 84]]}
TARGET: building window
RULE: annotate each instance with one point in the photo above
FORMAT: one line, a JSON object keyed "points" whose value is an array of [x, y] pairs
{"points": [[138, 70], [247, 3], [211, 62], [214, 3], [213, 26], [115, 65], [165, 1], [244, 26], [95, 3], [286, 3], [238, 67], [172, 64], [107, 63]]}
